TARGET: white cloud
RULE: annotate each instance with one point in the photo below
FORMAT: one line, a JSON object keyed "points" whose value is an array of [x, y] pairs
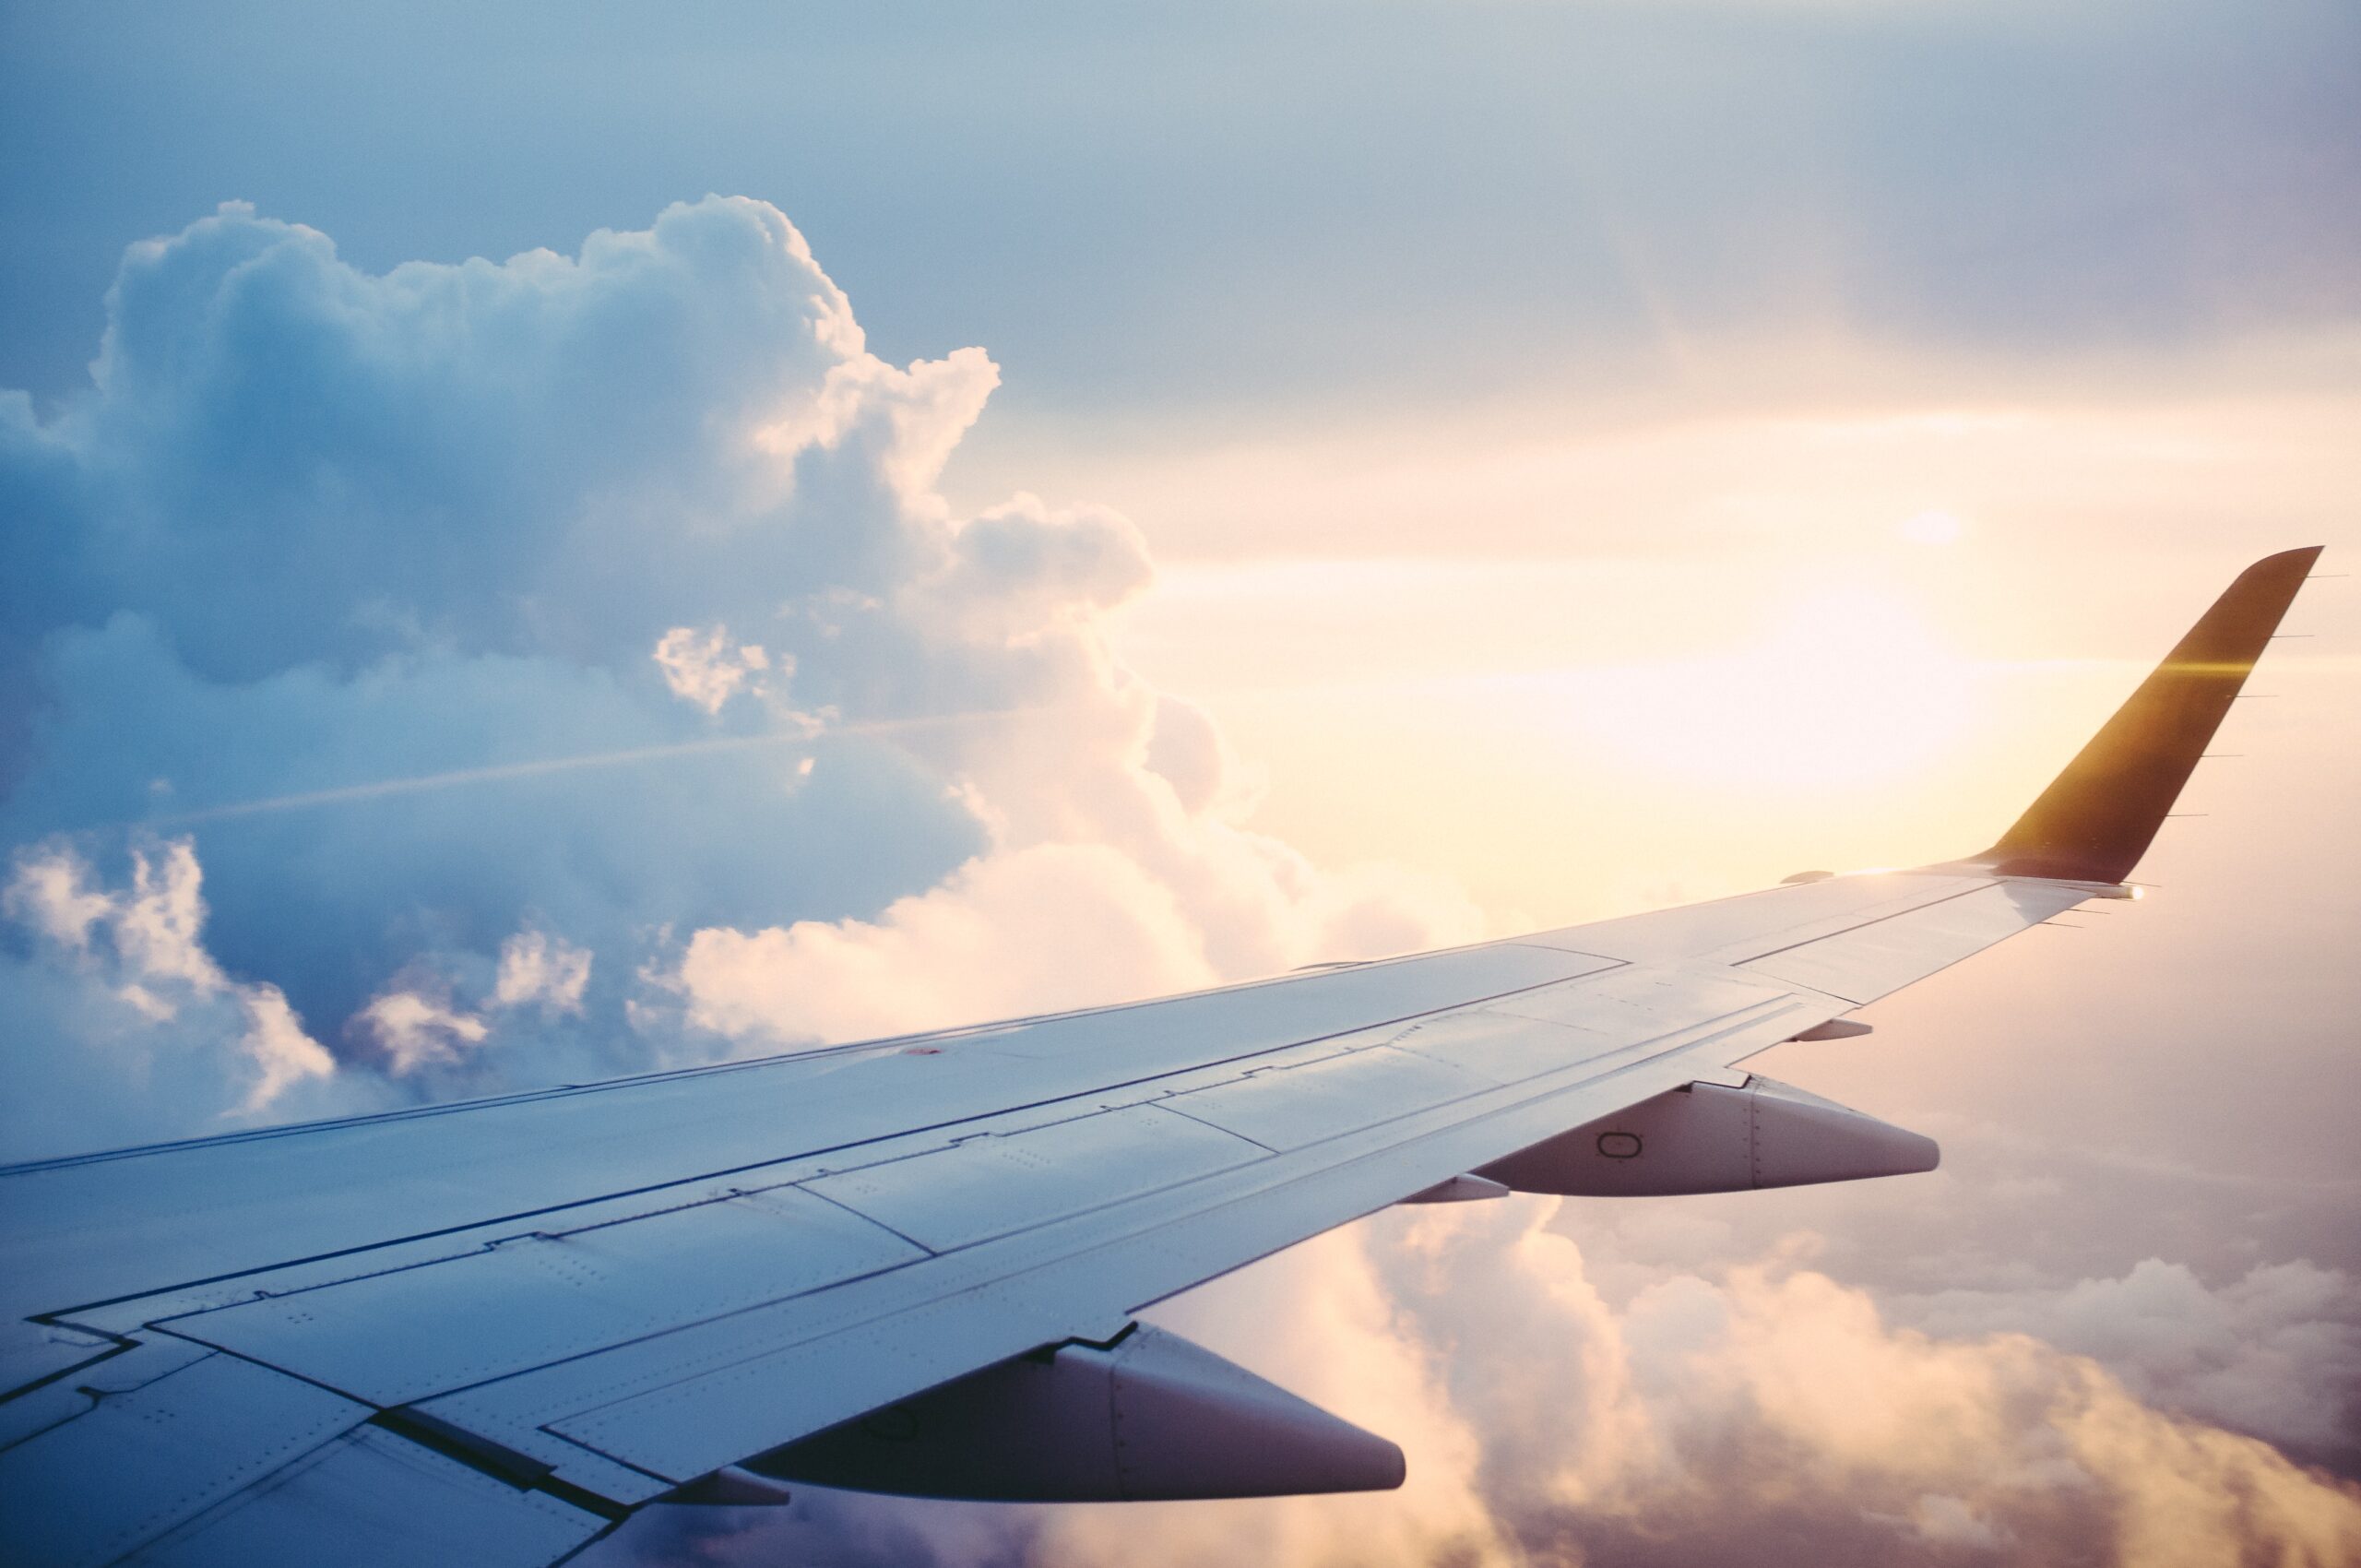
{"points": [[157, 928], [700, 669], [520, 539], [538, 968], [415, 1030], [147, 993], [1718, 1402], [282, 1053], [1049, 927], [1052, 926], [47, 893], [2276, 1352]]}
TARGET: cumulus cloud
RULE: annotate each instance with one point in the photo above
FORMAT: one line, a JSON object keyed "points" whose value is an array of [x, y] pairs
{"points": [[445, 611], [1033, 930], [417, 1030], [543, 970], [114, 987], [700, 669], [2276, 1351]]}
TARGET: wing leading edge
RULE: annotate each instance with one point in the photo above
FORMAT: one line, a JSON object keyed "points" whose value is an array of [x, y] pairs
{"points": [[520, 1320]]}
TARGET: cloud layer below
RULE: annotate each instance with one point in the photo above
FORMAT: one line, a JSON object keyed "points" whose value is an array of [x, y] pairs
{"points": [[1757, 1411]]}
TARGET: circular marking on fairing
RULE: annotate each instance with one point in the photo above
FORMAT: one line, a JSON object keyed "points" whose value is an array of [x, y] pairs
{"points": [[1620, 1145]]}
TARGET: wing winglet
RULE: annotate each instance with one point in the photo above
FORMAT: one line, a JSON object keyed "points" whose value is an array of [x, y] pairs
{"points": [[2097, 817]]}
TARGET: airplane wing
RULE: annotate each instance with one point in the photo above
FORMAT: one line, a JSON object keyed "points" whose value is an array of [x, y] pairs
{"points": [[487, 1332]]}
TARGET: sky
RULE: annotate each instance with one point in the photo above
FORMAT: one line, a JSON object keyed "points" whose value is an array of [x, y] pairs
{"points": [[584, 539]]}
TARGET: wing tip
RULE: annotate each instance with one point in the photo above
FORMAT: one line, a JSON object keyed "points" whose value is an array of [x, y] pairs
{"points": [[2097, 817], [2279, 564]]}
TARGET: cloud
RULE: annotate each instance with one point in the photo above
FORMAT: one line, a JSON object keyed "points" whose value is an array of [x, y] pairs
{"points": [[1042, 929], [122, 1024], [46, 893], [1036, 930], [2276, 1351], [700, 669], [567, 665], [415, 1030], [537, 969]]}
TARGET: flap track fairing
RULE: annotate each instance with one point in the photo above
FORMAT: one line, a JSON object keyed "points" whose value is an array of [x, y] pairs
{"points": [[1146, 1417], [1715, 1138]]}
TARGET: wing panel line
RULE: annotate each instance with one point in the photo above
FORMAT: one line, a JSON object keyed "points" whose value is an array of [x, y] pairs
{"points": [[58, 1314], [1024, 1268]]}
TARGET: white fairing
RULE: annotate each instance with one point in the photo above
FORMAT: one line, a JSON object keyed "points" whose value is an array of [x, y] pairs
{"points": [[1150, 1418], [1706, 1137], [1461, 1189]]}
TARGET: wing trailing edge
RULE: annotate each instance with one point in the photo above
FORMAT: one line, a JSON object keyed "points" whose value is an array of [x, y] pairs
{"points": [[2098, 817]]}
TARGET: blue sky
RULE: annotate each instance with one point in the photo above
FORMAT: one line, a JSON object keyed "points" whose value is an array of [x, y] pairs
{"points": [[1109, 501], [1225, 204]]}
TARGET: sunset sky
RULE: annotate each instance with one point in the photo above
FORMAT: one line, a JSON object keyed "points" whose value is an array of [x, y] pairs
{"points": [[545, 544]]}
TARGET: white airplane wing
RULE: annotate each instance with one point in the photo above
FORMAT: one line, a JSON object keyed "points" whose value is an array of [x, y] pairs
{"points": [[487, 1332]]}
